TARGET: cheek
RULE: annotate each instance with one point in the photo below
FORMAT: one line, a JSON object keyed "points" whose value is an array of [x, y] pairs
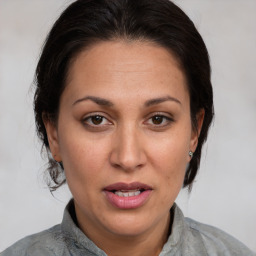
{"points": [[83, 159], [171, 151], [169, 158]]}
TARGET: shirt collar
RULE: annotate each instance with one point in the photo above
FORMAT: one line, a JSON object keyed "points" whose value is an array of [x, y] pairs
{"points": [[71, 231], [173, 243]]}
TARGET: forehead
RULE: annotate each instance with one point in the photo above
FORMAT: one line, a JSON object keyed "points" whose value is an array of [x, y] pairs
{"points": [[125, 68]]}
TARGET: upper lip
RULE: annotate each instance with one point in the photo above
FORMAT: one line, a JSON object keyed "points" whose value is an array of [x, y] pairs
{"points": [[127, 186]]}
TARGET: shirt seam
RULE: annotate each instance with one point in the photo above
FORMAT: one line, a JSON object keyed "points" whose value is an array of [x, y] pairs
{"points": [[198, 231]]}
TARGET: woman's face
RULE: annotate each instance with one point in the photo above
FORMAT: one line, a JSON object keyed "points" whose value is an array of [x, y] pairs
{"points": [[123, 134]]}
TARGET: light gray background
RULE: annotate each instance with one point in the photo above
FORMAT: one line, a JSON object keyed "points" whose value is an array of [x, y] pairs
{"points": [[225, 190]]}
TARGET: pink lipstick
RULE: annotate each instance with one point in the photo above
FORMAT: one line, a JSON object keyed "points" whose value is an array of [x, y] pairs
{"points": [[127, 196]]}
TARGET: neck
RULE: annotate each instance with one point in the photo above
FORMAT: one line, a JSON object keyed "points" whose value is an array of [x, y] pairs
{"points": [[149, 243]]}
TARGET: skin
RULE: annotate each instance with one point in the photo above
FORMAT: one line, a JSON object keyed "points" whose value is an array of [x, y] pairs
{"points": [[126, 144]]}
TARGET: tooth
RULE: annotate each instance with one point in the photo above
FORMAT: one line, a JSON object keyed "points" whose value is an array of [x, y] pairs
{"points": [[119, 193], [137, 193], [127, 193], [131, 193]]}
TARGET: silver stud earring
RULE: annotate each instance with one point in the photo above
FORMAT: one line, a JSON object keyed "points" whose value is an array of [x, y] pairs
{"points": [[190, 153]]}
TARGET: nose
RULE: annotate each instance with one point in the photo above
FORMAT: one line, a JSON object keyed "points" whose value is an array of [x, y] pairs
{"points": [[128, 150]]}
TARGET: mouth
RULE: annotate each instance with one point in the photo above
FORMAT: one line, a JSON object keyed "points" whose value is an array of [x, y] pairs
{"points": [[128, 196], [123, 193]]}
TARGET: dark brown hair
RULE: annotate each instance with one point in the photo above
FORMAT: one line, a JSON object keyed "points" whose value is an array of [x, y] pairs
{"points": [[86, 22]]}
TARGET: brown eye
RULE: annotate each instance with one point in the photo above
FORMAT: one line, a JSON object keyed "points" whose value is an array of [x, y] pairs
{"points": [[96, 120], [157, 119], [160, 121]]}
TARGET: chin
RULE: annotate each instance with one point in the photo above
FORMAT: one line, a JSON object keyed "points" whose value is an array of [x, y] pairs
{"points": [[128, 230], [130, 224]]}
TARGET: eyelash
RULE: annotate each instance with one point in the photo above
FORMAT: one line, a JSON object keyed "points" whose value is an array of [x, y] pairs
{"points": [[167, 121]]}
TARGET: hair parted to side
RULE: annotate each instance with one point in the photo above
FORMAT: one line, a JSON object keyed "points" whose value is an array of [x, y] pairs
{"points": [[86, 22]]}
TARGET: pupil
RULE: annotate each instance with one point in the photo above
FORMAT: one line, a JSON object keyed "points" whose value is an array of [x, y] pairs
{"points": [[157, 119], [96, 119]]}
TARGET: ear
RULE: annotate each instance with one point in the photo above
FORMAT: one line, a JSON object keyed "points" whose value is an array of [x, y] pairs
{"points": [[52, 135], [196, 131]]}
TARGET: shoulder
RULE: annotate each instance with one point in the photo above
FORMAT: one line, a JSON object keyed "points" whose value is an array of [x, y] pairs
{"points": [[216, 241], [47, 242]]}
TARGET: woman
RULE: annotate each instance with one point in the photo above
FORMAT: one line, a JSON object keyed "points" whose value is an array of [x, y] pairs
{"points": [[123, 105]]}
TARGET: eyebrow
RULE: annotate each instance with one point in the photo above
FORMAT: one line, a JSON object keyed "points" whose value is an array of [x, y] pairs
{"points": [[107, 103], [156, 101], [97, 100]]}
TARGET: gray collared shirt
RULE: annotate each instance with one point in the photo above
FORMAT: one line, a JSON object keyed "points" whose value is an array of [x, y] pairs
{"points": [[188, 238]]}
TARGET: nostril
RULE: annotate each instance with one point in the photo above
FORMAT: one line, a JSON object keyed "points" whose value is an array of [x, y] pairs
{"points": [[127, 160], [117, 166]]}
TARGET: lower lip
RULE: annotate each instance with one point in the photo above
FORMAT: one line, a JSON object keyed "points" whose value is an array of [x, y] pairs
{"points": [[130, 202]]}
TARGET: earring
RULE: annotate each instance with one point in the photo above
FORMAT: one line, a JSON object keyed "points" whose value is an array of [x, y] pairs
{"points": [[190, 153], [56, 158]]}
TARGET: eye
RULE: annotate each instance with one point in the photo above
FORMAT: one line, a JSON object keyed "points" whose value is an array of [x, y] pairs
{"points": [[96, 120], [160, 120], [157, 119]]}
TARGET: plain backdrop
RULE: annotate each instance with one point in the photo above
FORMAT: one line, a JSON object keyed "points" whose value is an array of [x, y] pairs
{"points": [[225, 190]]}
